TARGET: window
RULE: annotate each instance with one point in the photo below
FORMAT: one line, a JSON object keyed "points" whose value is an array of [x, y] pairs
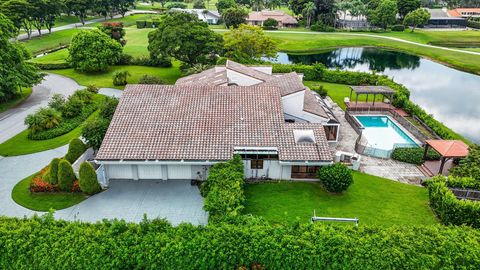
{"points": [[304, 172], [256, 164], [331, 132]]}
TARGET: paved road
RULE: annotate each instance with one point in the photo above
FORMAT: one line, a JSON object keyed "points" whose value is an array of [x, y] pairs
{"points": [[369, 35], [14, 169], [77, 25]]}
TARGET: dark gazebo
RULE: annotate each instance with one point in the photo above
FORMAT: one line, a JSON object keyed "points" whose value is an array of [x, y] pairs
{"points": [[385, 91]]}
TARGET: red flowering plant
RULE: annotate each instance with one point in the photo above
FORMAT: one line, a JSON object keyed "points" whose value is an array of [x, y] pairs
{"points": [[39, 185]]}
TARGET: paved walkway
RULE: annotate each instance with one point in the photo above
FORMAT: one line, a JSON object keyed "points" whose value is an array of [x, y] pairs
{"points": [[78, 25], [391, 169], [12, 121], [14, 169]]}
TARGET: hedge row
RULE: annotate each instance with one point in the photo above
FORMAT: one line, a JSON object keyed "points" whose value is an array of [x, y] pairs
{"points": [[447, 207], [473, 24], [66, 125], [51, 66], [223, 190], [318, 72], [414, 155], [43, 243]]}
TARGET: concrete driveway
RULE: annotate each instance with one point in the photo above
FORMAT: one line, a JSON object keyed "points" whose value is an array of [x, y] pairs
{"points": [[175, 200]]}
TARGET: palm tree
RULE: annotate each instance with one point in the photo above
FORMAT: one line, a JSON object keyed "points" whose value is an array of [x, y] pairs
{"points": [[309, 13], [257, 4]]}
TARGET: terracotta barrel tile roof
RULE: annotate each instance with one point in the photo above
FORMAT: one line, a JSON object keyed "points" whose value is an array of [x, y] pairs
{"points": [[449, 148], [187, 122]]}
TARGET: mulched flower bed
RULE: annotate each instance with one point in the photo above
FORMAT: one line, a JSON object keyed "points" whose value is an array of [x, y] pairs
{"points": [[38, 185]]}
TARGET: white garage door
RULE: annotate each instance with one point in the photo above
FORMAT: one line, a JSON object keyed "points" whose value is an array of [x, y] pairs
{"points": [[179, 172], [149, 171], [119, 171]]}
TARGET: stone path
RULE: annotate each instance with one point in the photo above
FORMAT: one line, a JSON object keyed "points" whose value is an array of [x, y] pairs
{"points": [[391, 169]]}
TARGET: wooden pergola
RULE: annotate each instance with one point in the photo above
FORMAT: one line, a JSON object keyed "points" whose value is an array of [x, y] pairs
{"points": [[447, 149], [385, 91]]}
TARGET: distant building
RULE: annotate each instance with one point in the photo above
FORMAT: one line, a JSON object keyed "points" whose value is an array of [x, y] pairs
{"points": [[464, 13], [208, 16], [440, 18], [284, 20]]}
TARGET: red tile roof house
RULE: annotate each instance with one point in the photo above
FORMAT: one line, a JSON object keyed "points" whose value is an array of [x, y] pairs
{"points": [[284, 20], [168, 132], [464, 13]]}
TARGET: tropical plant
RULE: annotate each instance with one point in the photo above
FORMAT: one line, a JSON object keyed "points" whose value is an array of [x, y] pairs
{"points": [[120, 77], [335, 178], [309, 13], [73, 107], [44, 118], [88, 179], [57, 102]]}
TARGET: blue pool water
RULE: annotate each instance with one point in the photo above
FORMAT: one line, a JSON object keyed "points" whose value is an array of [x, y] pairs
{"points": [[382, 133]]}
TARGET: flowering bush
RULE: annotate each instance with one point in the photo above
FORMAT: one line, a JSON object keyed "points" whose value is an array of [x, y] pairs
{"points": [[39, 185]]}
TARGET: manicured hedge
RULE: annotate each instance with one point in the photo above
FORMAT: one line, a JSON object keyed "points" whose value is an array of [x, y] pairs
{"points": [[318, 72], [447, 207], [75, 149], [335, 178], [88, 179], [223, 190], [43, 243], [66, 176], [51, 66], [414, 155]]}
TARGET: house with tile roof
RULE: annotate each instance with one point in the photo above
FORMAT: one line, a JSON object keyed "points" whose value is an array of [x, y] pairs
{"points": [[283, 19], [280, 128]]}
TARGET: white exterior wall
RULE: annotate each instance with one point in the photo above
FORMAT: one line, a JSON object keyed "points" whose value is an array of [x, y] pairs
{"points": [[264, 69], [120, 171], [271, 169], [149, 171], [179, 172], [240, 79], [293, 105]]}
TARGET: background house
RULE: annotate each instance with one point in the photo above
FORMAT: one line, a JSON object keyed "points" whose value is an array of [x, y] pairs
{"points": [[208, 16], [440, 18], [283, 19]]}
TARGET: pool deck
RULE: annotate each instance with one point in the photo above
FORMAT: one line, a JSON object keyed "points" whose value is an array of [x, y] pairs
{"points": [[391, 169]]}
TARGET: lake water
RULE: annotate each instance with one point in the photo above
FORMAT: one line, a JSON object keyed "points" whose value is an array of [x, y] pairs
{"points": [[452, 96]]}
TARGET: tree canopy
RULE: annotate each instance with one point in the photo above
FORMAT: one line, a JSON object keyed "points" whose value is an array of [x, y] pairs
{"points": [[407, 6], [15, 70], [248, 44], [184, 37], [384, 14], [234, 16], [93, 50], [417, 17]]}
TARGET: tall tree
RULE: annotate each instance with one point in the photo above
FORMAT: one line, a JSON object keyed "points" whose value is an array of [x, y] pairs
{"points": [[309, 13], [297, 6], [385, 14], [325, 11], [15, 71], [53, 9], [248, 44], [234, 16], [80, 8], [224, 5], [184, 37], [407, 6], [417, 17], [19, 11]]}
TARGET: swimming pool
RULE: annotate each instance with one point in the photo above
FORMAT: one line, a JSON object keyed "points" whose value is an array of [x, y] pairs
{"points": [[382, 133]]}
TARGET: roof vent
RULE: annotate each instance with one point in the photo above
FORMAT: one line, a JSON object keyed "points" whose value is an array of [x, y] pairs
{"points": [[232, 84], [304, 136]]}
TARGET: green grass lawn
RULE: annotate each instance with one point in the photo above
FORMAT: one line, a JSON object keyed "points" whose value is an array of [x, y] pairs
{"points": [[43, 201], [137, 42], [337, 92], [294, 42], [127, 21], [51, 41], [26, 92], [20, 144], [168, 75], [441, 38], [372, 199]]}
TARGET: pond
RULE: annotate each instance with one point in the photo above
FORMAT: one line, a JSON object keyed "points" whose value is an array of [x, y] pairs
{"points": [[452, 96]]}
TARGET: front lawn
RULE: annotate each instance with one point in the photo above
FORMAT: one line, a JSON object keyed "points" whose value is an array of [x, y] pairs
{"points": [[26, 92], [372, 199], [20, 144], [43, 201], [168, 75]]}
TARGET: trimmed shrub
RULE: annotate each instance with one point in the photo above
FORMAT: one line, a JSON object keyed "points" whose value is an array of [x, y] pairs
{"points": [[51, 66], [120, 77], [320, 90], [75, 149], [270, 24], [53, 171], [88, 179], [46, 176], [148, 79], [176, 5], [125, 60], [84, 95], [73, 107], [398, 28], [141, 24], [470, 165], [249, 243], [223, 191], [335, 178], [449, 209], [66, 176], [57, 102], [414, 155], [92, 89]]}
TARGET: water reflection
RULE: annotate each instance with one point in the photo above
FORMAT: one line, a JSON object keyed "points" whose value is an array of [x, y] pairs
{"points": [[450, 95]]}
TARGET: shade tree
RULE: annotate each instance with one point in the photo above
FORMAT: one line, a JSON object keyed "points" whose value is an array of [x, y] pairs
{"points": [[248, 44], [417, 17], [234, 16]]}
